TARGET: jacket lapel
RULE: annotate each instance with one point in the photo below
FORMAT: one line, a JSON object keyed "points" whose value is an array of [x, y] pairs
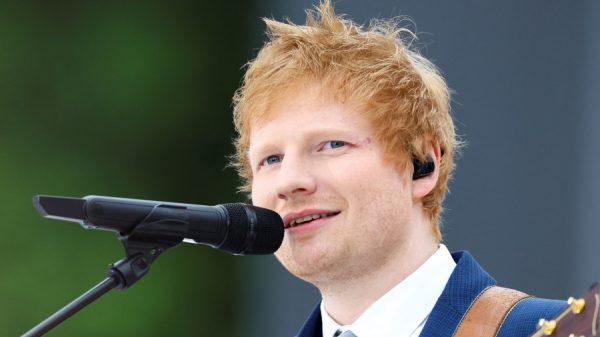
{"points": [[467, 281], [313, 325]]}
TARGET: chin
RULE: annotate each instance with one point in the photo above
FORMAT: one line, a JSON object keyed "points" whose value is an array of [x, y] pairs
{"points": [[317, 271], [304, 268]]}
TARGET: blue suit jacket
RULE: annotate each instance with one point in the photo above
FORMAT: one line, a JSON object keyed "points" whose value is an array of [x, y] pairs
{"points": [[467, 281]]}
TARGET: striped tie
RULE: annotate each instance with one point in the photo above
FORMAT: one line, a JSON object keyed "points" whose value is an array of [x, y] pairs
{"points": [[347, 333]]}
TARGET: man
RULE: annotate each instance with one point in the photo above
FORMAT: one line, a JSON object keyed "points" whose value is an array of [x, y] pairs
{"points": [[347, 134]]}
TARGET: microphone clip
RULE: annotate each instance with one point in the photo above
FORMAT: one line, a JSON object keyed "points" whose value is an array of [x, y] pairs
{"points": [[146, 241]]}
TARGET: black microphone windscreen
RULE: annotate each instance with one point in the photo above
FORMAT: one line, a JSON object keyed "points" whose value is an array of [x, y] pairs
{"points": [[236, 234], [252, 230], [270, 233]]}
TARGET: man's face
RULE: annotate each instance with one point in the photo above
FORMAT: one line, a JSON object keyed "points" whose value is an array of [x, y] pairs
{"points": [[346, 210]]}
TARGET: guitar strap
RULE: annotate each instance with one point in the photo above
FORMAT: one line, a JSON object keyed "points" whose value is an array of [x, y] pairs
{"points": [[487, 313]]}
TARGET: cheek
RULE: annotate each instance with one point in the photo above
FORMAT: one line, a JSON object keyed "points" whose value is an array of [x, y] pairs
{"points": [[368, 179], [353, 174], [259, 193]]}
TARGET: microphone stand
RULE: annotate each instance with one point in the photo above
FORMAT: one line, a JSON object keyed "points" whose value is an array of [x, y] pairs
{"points": [[142, 246]]}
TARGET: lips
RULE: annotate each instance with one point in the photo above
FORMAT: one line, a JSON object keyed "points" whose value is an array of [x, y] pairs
{"points": [[306, 216]]}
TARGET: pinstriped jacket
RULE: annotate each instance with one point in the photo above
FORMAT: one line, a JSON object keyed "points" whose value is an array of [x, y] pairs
{"points": [[467, 281]]}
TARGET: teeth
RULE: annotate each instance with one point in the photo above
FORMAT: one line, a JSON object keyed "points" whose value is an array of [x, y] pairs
{"points": [[309, 218]]}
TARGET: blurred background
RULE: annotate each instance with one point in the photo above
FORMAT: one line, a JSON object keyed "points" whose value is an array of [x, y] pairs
{"points": [[134, 100]]}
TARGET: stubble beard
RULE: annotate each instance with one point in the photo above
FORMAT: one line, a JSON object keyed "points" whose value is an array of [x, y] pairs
{"points": [[327, 265]]}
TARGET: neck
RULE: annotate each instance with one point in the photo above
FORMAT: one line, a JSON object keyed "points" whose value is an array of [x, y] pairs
{"points": [[345, 300]]}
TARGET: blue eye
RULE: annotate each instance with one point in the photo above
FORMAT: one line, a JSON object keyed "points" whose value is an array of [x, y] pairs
{"points": [[334, 144], [270, 160]]}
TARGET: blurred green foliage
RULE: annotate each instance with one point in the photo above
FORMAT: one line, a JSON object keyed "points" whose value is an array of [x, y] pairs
{"points": [[127, 99]]}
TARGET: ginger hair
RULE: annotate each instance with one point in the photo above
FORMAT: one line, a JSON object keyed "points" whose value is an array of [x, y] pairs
{"points": [[376, 69]]}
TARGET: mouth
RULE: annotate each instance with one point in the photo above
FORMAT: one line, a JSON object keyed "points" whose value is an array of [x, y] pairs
{"points": [[298, 220]]}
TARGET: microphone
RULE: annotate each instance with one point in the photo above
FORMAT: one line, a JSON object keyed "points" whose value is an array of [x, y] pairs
{"points": [[235, 228]]}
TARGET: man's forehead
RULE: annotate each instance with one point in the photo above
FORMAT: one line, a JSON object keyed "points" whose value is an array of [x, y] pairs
{"points": [[309, 104], [319, 116], [293, 98]]}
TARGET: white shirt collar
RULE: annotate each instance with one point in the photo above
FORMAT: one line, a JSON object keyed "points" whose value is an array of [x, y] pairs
{"points": [[403, 310]]}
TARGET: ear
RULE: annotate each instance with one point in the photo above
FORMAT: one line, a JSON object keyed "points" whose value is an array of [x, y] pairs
{"points": [[425, 176]]}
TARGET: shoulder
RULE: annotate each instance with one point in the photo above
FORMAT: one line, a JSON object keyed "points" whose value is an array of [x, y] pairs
{"points": [[523, 318], [465, 285], [466, 282]]}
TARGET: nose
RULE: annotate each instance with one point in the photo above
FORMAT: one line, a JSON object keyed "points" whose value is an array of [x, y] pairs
{"points": [[295, 178]]}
